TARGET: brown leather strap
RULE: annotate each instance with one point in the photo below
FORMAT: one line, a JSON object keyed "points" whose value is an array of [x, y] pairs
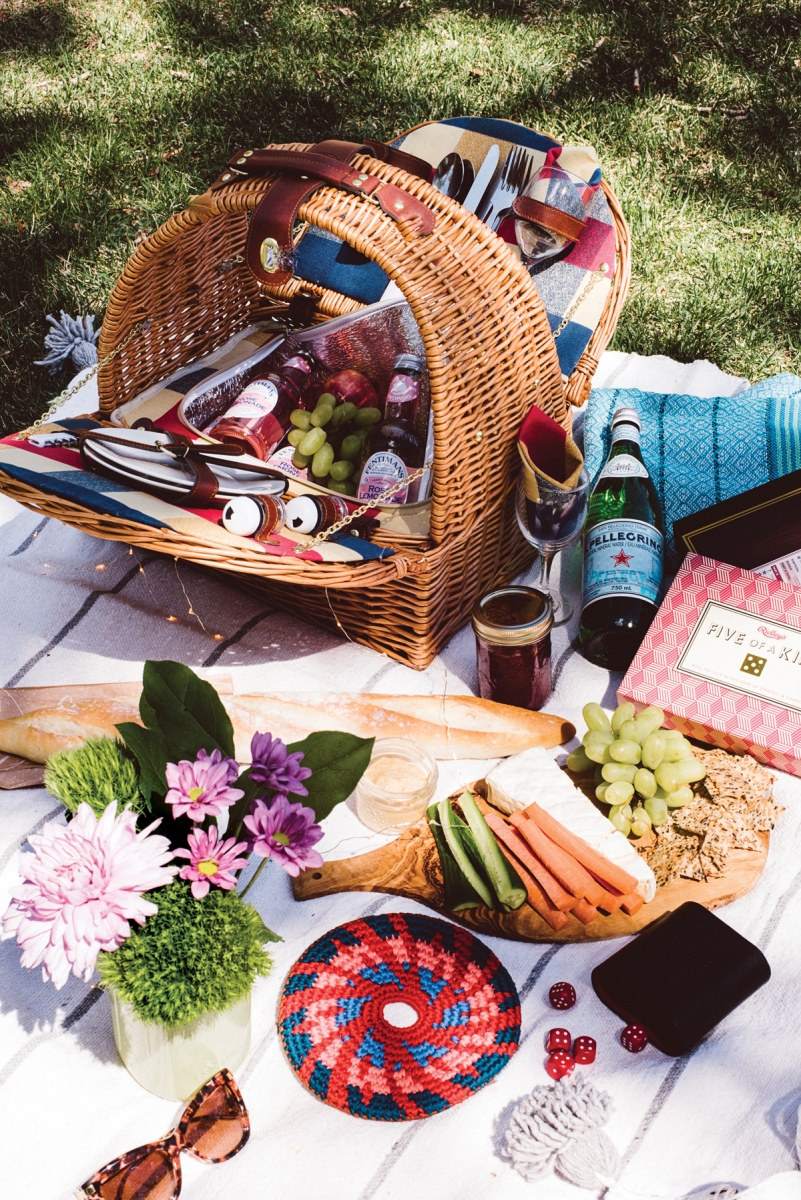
{"points": [[399, 158], [549, 217], [182, 447], [269, 248], [204, 490]]}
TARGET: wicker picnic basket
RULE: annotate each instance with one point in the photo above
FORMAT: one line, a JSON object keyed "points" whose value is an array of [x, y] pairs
{"points": [[490, 352]]}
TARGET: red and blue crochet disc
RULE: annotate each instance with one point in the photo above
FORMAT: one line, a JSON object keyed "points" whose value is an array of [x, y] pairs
{"points": [[452, 1025]]}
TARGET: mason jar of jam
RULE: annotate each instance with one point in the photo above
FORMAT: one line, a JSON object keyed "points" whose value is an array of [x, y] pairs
{"points": [[513, 639]]}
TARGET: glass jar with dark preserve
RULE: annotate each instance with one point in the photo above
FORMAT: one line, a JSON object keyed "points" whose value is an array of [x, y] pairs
{"points": [[259, 417], [513, 640]]}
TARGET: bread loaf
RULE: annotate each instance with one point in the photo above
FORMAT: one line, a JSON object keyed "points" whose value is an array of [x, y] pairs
{"points": [[38, 734], [448, 727]]}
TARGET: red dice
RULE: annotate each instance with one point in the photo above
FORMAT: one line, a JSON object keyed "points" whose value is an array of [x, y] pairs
{"points": [[584, 1050], [562, 995], [558, 1039], [634, 1038], [560, 1064]]}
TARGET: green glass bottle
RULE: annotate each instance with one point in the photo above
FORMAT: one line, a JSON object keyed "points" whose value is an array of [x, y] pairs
{"points": [[623, 552]]}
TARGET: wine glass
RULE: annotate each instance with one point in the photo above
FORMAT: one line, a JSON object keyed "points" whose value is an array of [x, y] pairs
{"points": [[555, 188], [550, 523]]}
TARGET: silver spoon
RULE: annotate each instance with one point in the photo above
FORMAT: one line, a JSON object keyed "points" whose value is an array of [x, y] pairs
{"points": [[468, 175], [449, 175]]}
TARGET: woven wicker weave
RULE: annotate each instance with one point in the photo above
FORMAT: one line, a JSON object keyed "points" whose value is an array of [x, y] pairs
{"points": [[490, 355]]}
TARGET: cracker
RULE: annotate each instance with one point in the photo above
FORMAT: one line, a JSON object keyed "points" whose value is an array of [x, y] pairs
{"points": [[732, 806]]}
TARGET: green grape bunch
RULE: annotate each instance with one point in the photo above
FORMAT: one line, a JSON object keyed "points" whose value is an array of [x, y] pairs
{"points": [[329, 441], [642, 770]]}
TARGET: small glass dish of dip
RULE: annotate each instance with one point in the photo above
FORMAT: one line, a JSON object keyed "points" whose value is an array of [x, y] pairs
{"points": [[397, 786]]}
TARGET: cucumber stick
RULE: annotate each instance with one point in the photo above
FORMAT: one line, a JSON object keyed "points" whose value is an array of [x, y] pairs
{"points": [[454, 836], [510, 892], [459, 895]]}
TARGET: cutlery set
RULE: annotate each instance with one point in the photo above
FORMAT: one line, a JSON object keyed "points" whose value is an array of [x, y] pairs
{"points": [[486, 192]]}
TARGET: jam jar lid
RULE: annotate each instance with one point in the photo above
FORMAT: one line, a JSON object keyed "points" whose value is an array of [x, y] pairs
{"points": [[513, 616]]}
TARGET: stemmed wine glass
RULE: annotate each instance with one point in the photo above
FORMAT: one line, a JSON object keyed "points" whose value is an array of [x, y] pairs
{"points": [[555, 188], [551, 523]]}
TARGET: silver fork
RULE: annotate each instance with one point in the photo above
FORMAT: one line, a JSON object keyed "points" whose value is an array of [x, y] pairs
{"points": [[515, 175]]}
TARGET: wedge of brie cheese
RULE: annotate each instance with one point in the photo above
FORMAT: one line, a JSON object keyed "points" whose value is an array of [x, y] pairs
{"points": [[534, 776]]}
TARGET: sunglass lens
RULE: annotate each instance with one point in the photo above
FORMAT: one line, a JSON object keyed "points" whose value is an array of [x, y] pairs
{"points": [[148, 1178], [216, 1130]]}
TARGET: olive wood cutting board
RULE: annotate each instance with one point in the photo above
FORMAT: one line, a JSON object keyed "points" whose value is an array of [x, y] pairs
{"points": [[409, 867]]}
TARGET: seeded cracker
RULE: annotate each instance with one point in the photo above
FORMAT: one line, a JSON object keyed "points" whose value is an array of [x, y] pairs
{"points": [[731, 807]]}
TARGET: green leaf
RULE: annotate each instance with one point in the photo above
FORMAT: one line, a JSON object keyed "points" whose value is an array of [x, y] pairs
{"points": [[186, 710], [147, 714], [268, 934], [151, 752], [338, 761]]}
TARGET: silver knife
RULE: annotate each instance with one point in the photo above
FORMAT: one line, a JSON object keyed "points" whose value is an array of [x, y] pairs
{"points": [[482, 179]]}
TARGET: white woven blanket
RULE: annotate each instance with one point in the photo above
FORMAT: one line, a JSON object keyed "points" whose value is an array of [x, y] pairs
{"points": [[78, 610]]}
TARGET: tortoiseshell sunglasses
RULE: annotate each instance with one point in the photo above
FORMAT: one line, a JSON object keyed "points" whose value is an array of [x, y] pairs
{"points": [[214, 1127]]}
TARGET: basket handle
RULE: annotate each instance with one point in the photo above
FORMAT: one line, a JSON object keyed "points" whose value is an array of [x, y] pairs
{"points": [[269, 248]]}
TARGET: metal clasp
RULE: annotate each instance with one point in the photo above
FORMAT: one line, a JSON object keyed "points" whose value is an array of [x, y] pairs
{"points": [[269, 255]]}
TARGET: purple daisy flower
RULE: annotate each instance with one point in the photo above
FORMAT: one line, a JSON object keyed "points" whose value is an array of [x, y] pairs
{"points": [[273, 766], [201, 788], [286, 832]]}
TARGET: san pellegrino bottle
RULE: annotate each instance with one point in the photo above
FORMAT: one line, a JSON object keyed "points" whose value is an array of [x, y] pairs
{"points": [[623, 552]]}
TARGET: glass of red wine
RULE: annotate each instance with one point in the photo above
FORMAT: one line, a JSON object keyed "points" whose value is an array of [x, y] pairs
{"points": [[550, 523]]}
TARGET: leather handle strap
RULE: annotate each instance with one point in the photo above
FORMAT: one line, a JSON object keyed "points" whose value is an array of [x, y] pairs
{"points": [[269, 249], [181, 448], [203, 493], [553, 219]]}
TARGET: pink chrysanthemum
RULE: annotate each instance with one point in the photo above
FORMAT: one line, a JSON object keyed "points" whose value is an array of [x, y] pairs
{"points": [[83, 885], [211, 861], [201, 789], [286, 832]]}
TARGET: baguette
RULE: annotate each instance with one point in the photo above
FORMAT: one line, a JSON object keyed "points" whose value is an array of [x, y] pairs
{"points": [[36, 735], [448, 727]]}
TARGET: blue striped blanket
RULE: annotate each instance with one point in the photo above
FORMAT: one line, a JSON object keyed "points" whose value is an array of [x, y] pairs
{"points": [[700, 451]]}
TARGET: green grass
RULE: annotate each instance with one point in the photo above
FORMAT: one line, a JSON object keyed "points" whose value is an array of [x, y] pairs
{"points": [[114, 111]]}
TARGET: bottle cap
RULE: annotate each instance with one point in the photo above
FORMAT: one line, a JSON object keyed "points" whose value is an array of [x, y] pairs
{"points": [[513, 616], [250, 516], [626, 416], [304, 514], [409, 362]]}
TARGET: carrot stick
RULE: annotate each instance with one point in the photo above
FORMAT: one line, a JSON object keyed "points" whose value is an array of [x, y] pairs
{"points": [[601, 867], [538, 899], [631, 903], [512, 841], [559, 862], [585, 912], [611, 901]]}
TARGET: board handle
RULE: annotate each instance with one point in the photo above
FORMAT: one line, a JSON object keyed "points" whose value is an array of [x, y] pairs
{"points": [[407, 867], [342, 875]]}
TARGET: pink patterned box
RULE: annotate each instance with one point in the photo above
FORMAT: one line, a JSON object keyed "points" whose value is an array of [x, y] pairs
{"points": [[723, 659]]}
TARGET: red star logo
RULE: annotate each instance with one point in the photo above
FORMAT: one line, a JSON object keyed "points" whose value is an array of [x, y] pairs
{"points": [[622, 559]]}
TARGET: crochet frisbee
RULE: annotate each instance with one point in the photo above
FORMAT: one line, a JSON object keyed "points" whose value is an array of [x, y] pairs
{"points": [[398, 1016]]}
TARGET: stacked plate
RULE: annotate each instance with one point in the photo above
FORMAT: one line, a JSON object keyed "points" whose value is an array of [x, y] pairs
{"points": [[142, 465]]}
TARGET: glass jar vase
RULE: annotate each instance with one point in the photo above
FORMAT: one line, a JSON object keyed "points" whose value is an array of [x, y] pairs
{"points": [[174, 1062]]}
